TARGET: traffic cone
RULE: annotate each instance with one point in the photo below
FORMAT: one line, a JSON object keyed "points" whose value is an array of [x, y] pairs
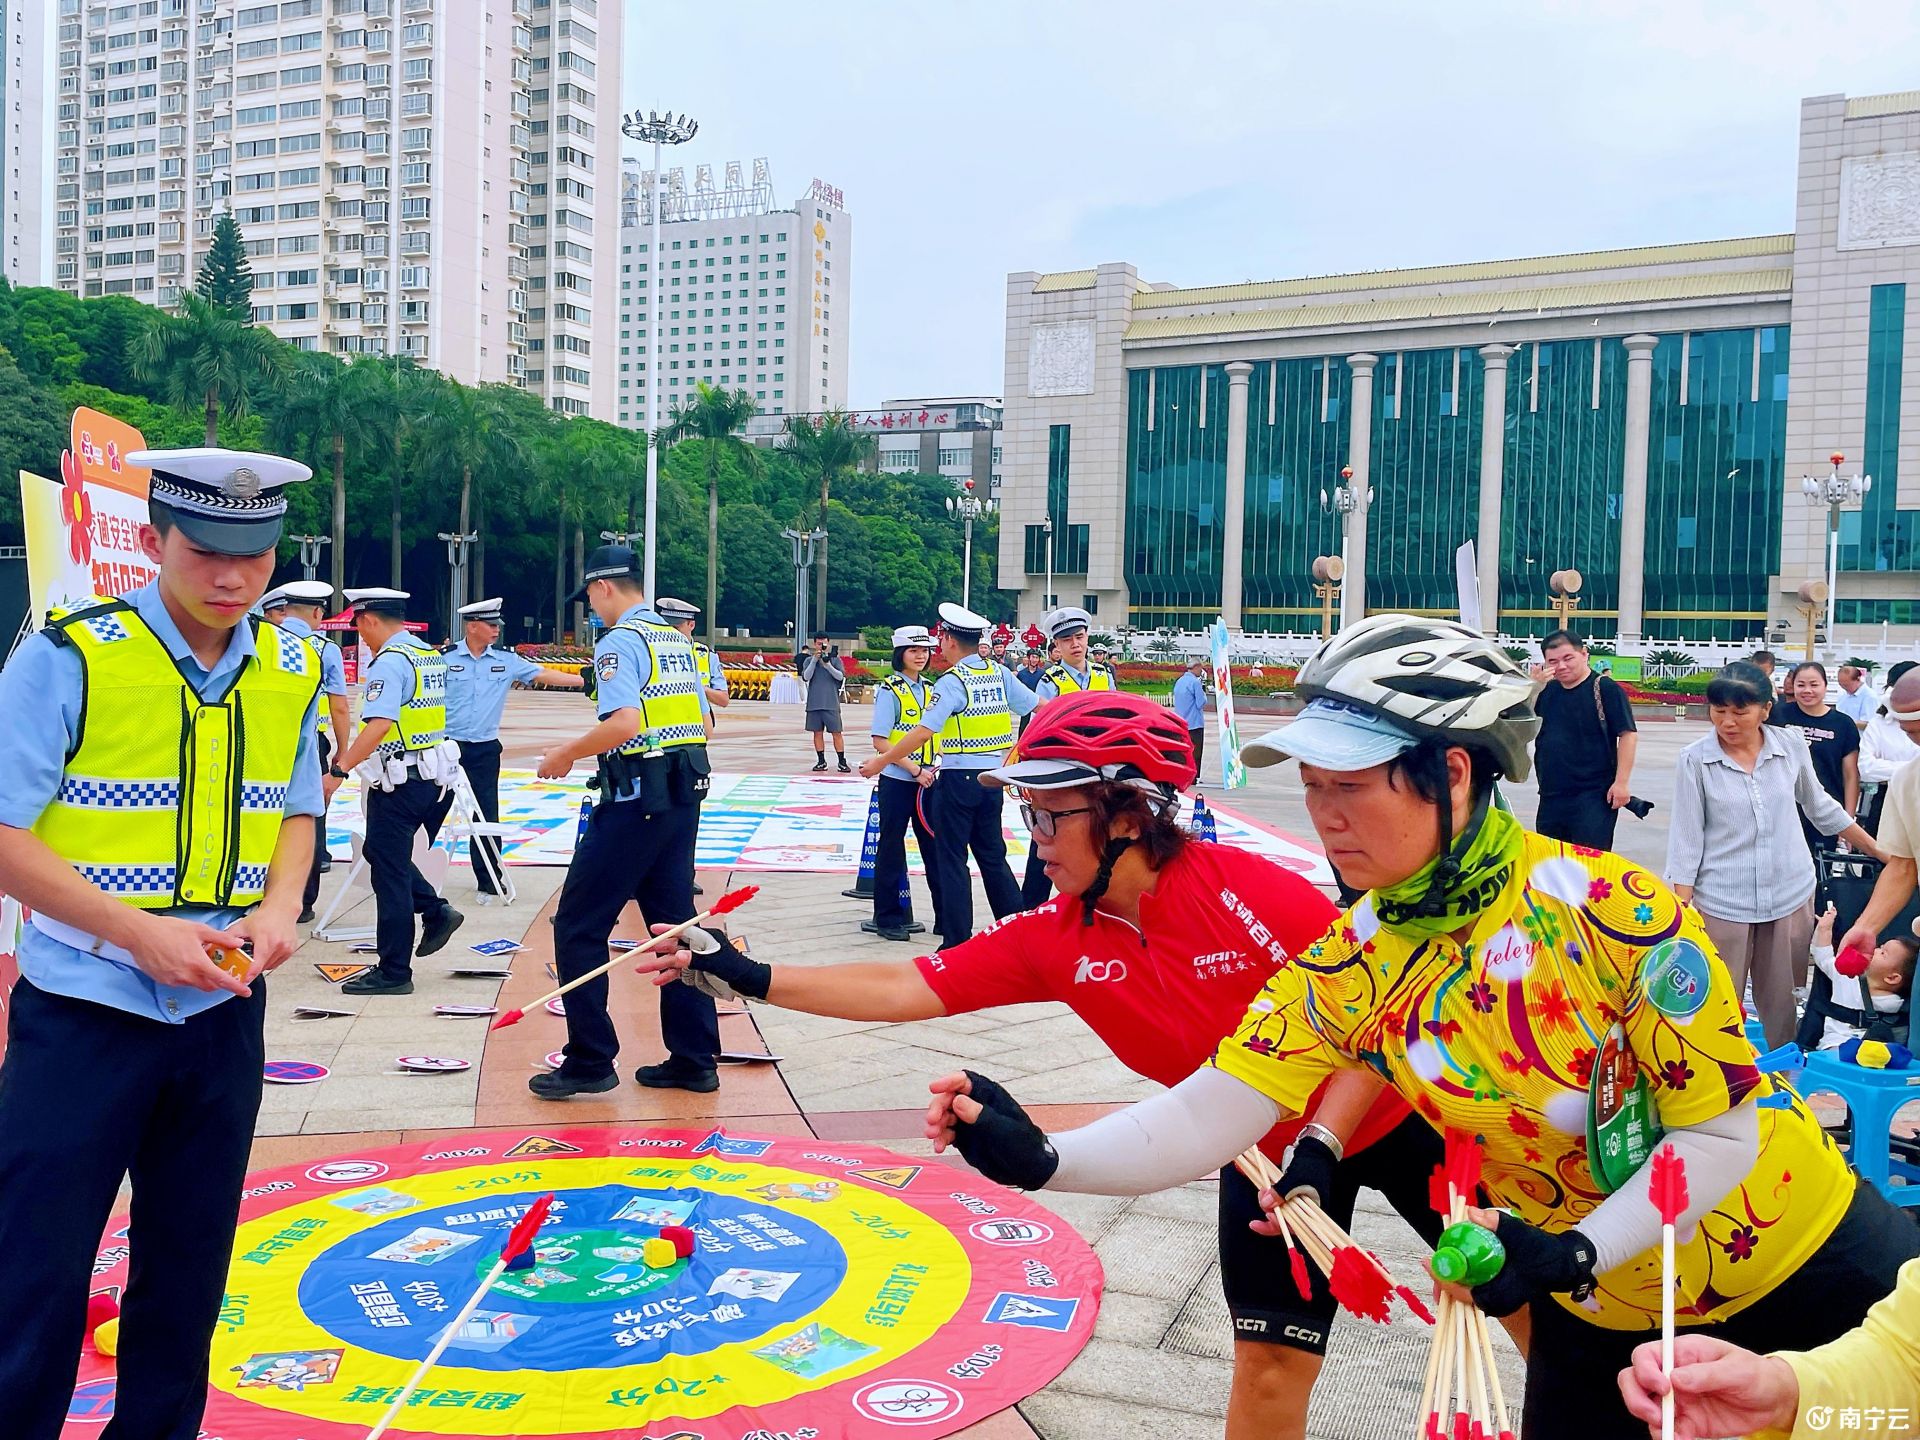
{"points": [[1202, 824], [914, 927], [869, 850]]}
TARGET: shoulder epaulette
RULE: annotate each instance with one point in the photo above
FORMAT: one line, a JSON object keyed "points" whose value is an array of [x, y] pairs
{"points": [[59, 617]]}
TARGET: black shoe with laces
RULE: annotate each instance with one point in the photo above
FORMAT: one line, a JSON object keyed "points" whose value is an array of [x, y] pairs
{"points": [[677, 1075], [820, 764], [845, 769], [375, 983], [555, 1085], [437, 931]]}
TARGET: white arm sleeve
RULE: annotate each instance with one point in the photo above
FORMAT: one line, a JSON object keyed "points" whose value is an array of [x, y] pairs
{"points": [[1718, 1153], [1166, 1140]]}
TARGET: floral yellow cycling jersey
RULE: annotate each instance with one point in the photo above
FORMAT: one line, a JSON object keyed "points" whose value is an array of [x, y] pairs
{"points": [[1498, 1039]]}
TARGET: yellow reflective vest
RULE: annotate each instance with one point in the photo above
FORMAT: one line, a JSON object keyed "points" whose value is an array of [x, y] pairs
{"points": [[984, 726], [670, 713], [423, 714], [170, 799], [1099, 677], [908, 708]]}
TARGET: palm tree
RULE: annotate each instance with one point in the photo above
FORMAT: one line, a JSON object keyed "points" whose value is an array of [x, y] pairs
{"points": [[409, 391], [584, 466], [714, 416], [200, 354], [827, 449], [466, 431], [339, 408]]}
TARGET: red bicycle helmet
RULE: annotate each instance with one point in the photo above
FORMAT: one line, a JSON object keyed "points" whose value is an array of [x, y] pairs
{"points": [[1095, 735]]}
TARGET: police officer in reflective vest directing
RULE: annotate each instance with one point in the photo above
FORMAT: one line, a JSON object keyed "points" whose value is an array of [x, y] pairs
{"points": [[1070, 673], [408, 766], [681, 615], [898, 704], [651, 745], [158, 788], [297, 607], [479, 674], [972, 714]]}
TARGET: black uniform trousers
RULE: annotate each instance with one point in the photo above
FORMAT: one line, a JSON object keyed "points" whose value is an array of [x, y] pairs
{"points": [[1582, 817], [966, 816], [628, 853], [170, 1106], [400, 891], [901, 803], [481, 760], [1034, 885], [312, 892]]}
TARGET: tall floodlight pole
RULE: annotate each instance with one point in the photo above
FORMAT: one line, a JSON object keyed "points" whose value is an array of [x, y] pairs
{"points": [[969, 507], [659, 130], [805, 544], [1833, 491], [457, 544], [1344, 500], [310, 553]]}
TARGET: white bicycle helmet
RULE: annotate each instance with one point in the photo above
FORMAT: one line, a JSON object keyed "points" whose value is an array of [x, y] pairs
{"points": [[1428, 677]]}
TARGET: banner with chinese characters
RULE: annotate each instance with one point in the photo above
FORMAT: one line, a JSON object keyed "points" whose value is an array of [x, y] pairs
{"points": [[1233, 774], [83, 531]]}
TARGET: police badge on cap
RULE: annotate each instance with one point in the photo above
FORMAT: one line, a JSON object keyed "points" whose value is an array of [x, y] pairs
{"points": [[227, 501]]}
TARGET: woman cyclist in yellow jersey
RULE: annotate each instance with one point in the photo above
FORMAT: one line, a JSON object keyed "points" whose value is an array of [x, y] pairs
{"points": [[1486, 973]]}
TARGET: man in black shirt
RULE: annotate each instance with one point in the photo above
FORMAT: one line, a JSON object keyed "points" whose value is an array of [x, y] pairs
{"points": [[1584, 754]]}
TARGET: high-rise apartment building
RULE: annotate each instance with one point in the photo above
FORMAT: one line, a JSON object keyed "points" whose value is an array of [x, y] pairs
{"points": [[754, 298], [26, 220], [409, 176]]}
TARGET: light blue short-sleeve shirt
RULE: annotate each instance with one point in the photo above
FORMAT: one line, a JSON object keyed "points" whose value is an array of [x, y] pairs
{"points": [[45, 679], [622, 661], [477, 687], [389, 681]]}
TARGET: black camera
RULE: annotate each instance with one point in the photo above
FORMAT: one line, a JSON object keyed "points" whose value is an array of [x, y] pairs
{"points": [[1640, 808]]}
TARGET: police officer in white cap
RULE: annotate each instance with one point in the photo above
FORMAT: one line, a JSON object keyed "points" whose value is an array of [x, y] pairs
{"points": [[898, 705], [158, 788], [1071, 672], [297, 607], [402, 755], [971, 713], [479, 674], [681, 615]]}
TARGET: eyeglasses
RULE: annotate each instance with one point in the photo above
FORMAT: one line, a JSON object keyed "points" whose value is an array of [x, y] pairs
{"points": [[1045, 824]]}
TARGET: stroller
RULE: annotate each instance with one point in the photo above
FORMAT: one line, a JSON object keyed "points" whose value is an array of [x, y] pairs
{"points": [[1849, 879]]}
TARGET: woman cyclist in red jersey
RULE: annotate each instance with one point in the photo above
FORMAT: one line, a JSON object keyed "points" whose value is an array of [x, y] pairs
{"points": [[1158, 941]]}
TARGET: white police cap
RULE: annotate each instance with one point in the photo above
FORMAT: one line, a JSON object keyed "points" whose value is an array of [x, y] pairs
{"points": [[1065, 621], [908, 636], [487, 610], [272, 600], [379, 600], [670, 607], [958, 620], [300, 592], [228, 501]]}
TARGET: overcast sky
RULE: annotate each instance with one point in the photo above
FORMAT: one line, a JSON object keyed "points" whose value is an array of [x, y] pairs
{"points": [[1219, 142]]}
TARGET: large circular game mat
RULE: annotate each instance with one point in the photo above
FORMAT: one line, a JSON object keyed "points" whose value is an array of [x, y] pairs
{"points": [[834, 1291]]}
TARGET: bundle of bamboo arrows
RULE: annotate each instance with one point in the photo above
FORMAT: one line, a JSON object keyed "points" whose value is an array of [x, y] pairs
{"points": [[1461, 1398]]}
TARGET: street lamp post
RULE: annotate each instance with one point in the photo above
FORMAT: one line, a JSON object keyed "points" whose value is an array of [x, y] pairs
{"points": [[970, 507], [1328, 572], [1046, 600], [1563, 591], [1833, 491], [806, 544], [659, 130], [310, 546], [457, 544], [1344, 501]]}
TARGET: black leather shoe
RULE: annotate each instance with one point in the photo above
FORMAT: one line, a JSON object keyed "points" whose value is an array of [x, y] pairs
{"points": [[555, 1086], [894, 932], [435, 933], [676, 1075], [306, 916], [374, 983]]}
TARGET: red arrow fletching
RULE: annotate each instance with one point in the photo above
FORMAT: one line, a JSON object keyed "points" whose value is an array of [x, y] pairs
{"points": [[526, 1227], [1301, 1281], [1358, 1284], [1414, 1303], [509, 1017], [1668, 1184], [1463, 1166], [734, 899], [1437, 1192]]}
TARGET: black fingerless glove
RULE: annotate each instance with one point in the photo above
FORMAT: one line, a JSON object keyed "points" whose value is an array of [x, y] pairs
{"points": [[590, 682], [746, 976], [1003, 1144], [1539, 1263], [1309, 1167]]}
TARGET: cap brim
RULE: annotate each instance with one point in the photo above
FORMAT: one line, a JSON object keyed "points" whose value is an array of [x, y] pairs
{"points": [[1327, 741], [227, 537], [1044, 775]]}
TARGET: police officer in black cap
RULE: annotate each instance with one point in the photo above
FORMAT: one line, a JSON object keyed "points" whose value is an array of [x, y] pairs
{"points": [[651, 746]]}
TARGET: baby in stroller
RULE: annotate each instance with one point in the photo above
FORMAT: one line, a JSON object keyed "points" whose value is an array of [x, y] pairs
{"points": [[1872, 1004]]}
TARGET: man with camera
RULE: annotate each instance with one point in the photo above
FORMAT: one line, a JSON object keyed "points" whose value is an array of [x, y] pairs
{"points": [[1584, 753], [822, 674]]}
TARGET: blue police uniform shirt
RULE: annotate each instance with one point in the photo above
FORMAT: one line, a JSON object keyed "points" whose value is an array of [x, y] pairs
{"points": [[1047, 690], [1190, 700], [886, 710], [950, 698], [333, 672], [390, 678], [44, 678], [477, 688], [622, 662]]}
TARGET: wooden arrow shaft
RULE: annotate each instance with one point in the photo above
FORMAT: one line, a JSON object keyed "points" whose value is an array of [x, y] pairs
{"points": [[654, 944]]}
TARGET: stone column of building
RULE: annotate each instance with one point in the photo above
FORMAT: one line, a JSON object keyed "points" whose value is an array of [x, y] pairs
{"points": [[1493, 462], [1234, 530], [1353, 593], [1633, 490]]}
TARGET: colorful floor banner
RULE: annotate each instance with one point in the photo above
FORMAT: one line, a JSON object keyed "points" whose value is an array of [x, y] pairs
{"points": [[834, 1291], [773, 822]]}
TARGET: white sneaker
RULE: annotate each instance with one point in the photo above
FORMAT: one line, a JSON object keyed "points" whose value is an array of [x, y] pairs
{"points": [[485, 898]]}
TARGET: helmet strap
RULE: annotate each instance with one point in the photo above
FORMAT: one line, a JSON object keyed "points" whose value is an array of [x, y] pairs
{"points": [[1109, 857], [1453, 851]]}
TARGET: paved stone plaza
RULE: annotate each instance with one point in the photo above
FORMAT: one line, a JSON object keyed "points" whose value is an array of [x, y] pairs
{"points": [[1159, 1361]]}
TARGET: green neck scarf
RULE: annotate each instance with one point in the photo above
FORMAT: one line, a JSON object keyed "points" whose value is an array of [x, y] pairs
{"points": [[1449, 892]]}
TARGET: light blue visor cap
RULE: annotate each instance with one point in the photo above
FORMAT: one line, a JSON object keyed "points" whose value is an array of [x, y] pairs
{"points": [[1332, 736]]}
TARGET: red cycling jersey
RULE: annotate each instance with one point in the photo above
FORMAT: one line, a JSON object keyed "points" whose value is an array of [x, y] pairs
{"points": [[1217, 923]]}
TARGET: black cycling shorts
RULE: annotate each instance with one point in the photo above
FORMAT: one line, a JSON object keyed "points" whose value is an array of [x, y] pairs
{"points": [[1253, 1268]]}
